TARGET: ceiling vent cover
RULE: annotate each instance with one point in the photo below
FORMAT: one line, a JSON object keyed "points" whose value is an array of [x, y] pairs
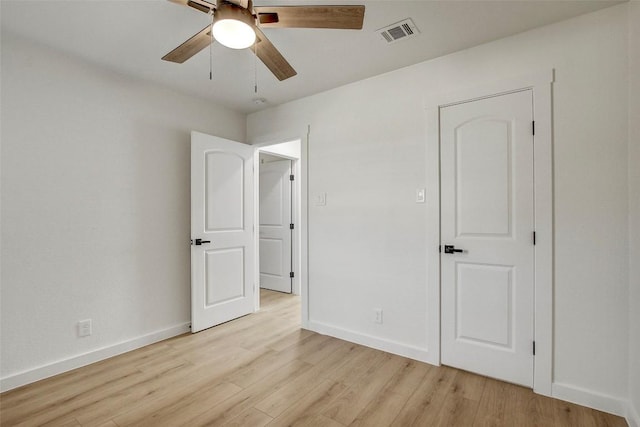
{"points": [[402, 30]]}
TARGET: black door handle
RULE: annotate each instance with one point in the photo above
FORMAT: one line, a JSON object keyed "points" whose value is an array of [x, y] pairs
{"points": [[200, 242], [449, 249]]}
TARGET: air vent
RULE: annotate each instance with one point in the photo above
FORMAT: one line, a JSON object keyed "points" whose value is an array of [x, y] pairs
{"points": [[402, 30]]}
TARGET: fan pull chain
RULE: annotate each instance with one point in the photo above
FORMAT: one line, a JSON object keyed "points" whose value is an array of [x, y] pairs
{"points": [[211, 47], [255, 67]]}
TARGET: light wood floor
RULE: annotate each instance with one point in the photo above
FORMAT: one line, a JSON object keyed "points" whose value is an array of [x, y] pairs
{"points": [[263, 370]]}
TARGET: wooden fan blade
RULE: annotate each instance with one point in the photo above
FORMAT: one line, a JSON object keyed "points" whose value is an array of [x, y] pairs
{"points": [[201, 5], [189, 48], [340, 17], [271, 57]]}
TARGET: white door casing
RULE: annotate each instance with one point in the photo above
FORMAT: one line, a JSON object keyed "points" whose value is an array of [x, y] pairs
{"points": [[487, 210], [222, 213], [275, 219]]}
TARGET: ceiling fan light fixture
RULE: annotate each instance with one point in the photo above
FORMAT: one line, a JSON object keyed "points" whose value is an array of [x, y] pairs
{"points": [[232, 27]]}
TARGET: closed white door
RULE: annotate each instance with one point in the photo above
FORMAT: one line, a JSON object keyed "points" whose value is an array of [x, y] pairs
{"points": [[275, 223], [487, 225], [222, 227]]}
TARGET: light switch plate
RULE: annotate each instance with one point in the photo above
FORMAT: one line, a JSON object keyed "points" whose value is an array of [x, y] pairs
{"points": [[420, 192], [320, 199]]}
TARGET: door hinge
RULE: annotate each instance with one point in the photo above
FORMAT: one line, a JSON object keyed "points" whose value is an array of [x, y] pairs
{"points": [[290, 226], [534, 238], [440, 248], [533, 127], [534, 348], [291, 177], [291, 274]]}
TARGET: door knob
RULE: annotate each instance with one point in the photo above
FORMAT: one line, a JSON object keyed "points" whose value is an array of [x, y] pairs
{"points": [[449, 249], [199, 242]]}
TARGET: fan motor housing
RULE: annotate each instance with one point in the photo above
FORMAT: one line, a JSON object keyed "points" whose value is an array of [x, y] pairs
{"points": [[228, 10]]}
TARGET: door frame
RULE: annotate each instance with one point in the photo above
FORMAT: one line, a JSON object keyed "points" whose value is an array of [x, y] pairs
{"points": [[541, 85], [301, 254]]}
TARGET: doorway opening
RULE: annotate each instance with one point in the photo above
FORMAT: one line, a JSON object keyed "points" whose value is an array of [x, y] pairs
{"points": [[279, 197], [276, 223]]}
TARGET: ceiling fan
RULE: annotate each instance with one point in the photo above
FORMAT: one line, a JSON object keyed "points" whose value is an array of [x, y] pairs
{"points": [[237, 24]]}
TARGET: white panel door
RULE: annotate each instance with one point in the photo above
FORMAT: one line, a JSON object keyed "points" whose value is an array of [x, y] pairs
{"points": [[275, 234], [222, 224], [487, 284]]}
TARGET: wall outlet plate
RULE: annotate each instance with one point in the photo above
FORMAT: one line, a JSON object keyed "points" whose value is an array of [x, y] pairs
{"points": [[84, 328], [377, 315]]}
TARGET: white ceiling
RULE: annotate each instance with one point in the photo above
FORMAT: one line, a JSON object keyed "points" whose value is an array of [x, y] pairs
{"points": [[130, 37]]}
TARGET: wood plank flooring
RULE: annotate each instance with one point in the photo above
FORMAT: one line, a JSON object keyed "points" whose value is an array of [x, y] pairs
{"points": [[263, 370]]}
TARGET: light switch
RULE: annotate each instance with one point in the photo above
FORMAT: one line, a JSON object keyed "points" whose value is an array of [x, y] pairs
{"points": [[320, 199], [420, 195]]}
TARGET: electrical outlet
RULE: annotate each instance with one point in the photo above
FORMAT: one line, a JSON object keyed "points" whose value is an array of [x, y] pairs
{"points": [[84, 328], [378, 315]]}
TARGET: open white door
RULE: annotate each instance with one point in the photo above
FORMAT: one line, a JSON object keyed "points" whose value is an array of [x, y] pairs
{"points": [[222, 227], [275, 226]]}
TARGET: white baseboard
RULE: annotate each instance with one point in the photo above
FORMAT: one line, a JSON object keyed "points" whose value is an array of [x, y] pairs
{"points": [[601, 402], [412, 352], [633, 418], [64, 365]]}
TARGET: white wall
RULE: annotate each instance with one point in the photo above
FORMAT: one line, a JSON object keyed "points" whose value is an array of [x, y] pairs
{"points": [[95, 207], [634, 211], [366, 246]]}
